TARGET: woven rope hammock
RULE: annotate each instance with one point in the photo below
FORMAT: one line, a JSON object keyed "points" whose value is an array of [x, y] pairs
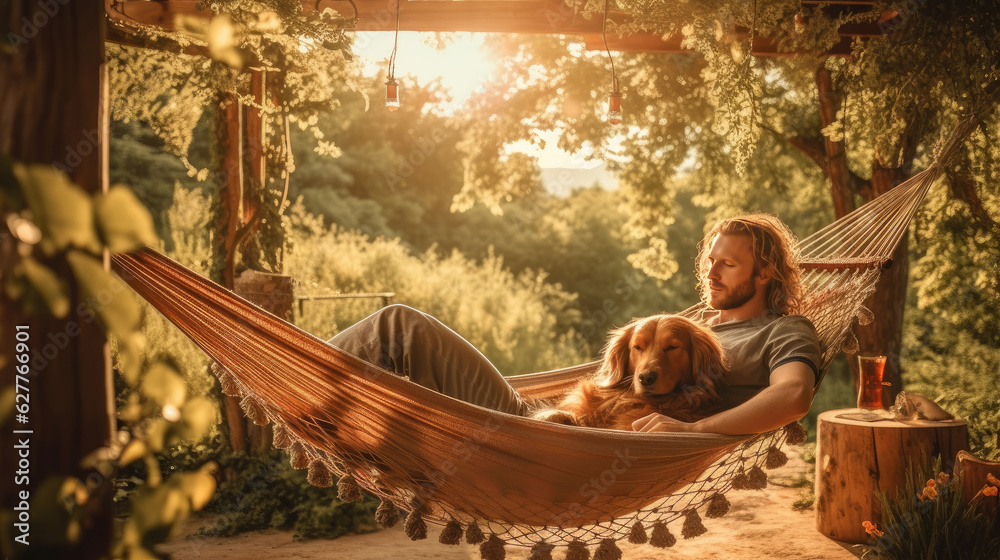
{"points": [[496, 478]]}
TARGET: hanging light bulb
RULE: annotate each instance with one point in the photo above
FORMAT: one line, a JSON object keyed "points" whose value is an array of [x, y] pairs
{"points": [[391, 86], [391, 94], [614, 108], [614, 115]]}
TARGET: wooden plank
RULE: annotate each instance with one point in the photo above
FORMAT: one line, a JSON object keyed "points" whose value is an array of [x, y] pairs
{"points": [[489, 16], [655, 43]]}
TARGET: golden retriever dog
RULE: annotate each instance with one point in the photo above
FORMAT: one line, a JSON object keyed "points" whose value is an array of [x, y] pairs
{"points": [[664, 363]]}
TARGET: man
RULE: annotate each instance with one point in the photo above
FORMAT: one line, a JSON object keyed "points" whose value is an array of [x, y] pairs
{"points": [[748, 272]]}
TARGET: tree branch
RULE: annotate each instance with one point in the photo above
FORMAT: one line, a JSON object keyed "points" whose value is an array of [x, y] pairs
{"points": [[964, 188]]}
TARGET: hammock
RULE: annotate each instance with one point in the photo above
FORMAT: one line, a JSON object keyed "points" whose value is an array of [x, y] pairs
{"points": [[498, 478]]}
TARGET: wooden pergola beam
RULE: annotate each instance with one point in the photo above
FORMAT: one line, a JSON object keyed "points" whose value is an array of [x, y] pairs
{"points": [[552, 17]]}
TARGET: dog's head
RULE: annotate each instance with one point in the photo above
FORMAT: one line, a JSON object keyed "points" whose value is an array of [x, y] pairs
{"points": [[661, 354]]}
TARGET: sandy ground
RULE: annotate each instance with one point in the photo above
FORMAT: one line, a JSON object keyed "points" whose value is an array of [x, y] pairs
{"points": [[759, 525]]}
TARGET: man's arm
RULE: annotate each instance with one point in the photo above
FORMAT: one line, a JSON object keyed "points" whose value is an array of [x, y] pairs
{"points": [[786, 399]]}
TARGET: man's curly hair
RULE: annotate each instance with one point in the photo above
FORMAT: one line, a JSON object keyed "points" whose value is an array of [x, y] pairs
{"points": [[774, 246]]}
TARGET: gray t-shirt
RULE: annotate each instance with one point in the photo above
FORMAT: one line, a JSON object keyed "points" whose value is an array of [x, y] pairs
{"points": [[755, 347]]}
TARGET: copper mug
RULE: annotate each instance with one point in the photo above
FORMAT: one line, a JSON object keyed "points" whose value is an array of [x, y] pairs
{"points": [[870, 370]]}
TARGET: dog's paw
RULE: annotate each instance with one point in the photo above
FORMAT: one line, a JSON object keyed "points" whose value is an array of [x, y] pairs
{"points": [[557, 416]]}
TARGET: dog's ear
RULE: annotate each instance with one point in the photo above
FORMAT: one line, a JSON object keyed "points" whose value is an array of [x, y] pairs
{"points": [[708, 364], [614, 364]]}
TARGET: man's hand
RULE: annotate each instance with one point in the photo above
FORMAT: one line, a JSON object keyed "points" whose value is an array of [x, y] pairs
{"points": [[659, 423], [785, 400]]}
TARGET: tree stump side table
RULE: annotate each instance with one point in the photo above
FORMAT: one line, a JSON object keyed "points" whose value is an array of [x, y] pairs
{"points": [[855, 458]]}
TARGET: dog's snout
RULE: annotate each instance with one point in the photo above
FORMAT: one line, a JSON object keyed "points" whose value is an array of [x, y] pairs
{"points": [[647, 378]]}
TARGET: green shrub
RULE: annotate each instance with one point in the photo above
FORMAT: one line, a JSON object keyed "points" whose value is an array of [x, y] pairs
{"points": [[961, 375], [510, 318], [264, 492]]}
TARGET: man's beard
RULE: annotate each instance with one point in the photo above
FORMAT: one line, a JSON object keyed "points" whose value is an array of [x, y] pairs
{"points": [[733, 298]]}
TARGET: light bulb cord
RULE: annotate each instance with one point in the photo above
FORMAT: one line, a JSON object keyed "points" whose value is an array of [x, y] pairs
{"points": [[604, 36], [395, 45]]}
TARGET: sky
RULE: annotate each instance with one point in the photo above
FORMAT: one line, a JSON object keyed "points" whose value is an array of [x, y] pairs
{"points": [[462, 67]]}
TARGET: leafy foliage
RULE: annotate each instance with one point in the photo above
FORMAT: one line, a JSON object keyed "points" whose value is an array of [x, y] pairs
{"points": [[266, 493], [929, 520], [55, 220], [510, 318]]}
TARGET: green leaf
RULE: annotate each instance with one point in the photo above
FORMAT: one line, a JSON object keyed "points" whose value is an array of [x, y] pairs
{"points": [[105, 294], [124, 223], [135, 449], [48, 285], [59, 208], [164, 385], [199, 485], [130, 352], [158, 512], [197, 416]]}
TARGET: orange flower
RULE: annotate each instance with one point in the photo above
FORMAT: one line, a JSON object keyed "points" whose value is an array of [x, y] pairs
{"points": [[929, 493], [992, 479], [989, 490], [872, 529], [943, 478], [931, 483]]}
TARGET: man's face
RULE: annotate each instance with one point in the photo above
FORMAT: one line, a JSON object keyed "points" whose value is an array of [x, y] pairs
{"points": [[731, 280]]}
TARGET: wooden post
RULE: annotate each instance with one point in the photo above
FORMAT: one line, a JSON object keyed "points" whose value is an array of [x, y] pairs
{"points": [[53, 111], [274, 294], [854, 459]]}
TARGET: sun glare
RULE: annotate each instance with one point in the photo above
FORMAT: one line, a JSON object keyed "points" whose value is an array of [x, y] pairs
{"points": [[461, 66]]}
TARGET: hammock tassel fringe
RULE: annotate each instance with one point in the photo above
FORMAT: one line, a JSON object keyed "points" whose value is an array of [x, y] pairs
{"points": [[299, 457], [662, 537], [348, 489], [414, 526], [386, 515], [473, 534], [757, 478], [638, 534], [254, 411], [226, 380], [493, 549], [608, 550], [577, 550], [541, 551], [452, 533], [693, 526], [718, 507], [795, 434], [319, 474], [282, 439], [776, 458]]}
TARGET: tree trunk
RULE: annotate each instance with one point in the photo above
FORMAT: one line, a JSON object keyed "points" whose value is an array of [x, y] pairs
{"points": [[53, 111], [840, 175], [885, 334]]}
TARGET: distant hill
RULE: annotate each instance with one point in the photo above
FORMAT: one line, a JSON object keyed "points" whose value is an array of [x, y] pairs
{"points": [[560, 181]]}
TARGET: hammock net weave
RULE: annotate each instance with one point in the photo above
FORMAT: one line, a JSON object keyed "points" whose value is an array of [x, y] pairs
{"points": [[491, 477]]}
